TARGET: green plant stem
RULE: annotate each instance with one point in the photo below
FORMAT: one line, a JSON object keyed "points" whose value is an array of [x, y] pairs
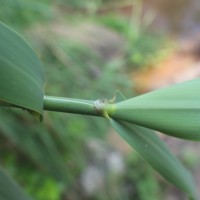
{"points": [[70, 105]]}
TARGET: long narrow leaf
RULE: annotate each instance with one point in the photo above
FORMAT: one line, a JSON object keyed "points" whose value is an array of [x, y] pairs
{"points": [[152, 149], [21, 73], [10, 190], [174, 110]]}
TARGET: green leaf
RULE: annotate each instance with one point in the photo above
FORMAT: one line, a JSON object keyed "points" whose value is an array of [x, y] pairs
{"points": [[21, 73], [10, 190], [174, 110], [152, 149]]}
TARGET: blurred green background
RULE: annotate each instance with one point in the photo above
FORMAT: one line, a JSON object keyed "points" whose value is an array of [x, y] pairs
{"points": [[89, 48]]}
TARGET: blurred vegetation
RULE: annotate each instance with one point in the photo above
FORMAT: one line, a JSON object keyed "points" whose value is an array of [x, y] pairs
{"points": [[48, 158], [22, 13], [143, 47]]}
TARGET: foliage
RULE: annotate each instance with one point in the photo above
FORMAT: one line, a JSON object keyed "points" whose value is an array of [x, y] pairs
{"points": [[147, 186], [9, 189], [175, 110], [143, 47], [55, 147], [24, 13], [31, 94], [154, 151]]}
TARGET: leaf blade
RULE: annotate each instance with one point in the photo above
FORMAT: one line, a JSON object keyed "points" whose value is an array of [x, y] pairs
{"points": [[152, 149], [174, 110], [21, 73], [9, 189]]}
